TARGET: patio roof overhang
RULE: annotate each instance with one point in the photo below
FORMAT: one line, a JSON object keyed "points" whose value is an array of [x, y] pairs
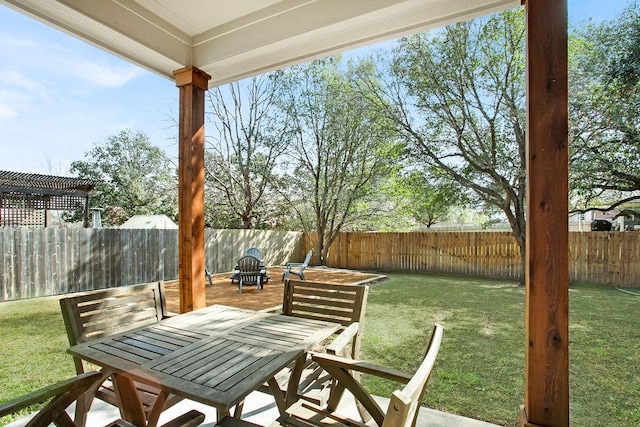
{"points": [[204, 43], [234, 39]]}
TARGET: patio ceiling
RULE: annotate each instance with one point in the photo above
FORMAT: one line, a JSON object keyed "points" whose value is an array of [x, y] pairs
{"points": [[235, 39]]}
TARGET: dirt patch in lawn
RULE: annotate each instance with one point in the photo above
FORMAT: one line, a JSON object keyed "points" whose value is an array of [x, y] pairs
{"points": [[226, 293]]}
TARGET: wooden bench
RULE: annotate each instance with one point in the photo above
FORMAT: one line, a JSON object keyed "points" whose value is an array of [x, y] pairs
{"points": [[95, 314]]}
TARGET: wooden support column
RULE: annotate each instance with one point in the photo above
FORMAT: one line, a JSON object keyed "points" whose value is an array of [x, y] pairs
{"points": [[546, 400], [192, 83]]}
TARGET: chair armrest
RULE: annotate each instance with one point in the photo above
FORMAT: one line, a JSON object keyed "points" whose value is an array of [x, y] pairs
{"points": [[294, 264], [79, 383], [330, 360], [345, 337]]}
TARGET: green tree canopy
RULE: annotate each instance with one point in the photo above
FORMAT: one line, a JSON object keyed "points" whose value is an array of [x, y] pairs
{"points": [[425, 197], [137, 177], [340, 148], [457, 97], [605, 111]]}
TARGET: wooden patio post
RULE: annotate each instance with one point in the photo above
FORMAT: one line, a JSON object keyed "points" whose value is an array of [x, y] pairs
{"points": [[192, 83], [546, 400]]}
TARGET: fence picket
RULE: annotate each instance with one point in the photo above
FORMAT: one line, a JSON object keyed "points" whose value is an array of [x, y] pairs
{"points": [[608, 258]]}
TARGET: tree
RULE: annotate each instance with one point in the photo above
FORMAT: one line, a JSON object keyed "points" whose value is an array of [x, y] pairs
{"points": [[605, 112], [427, 198], [340, 150], [137, 178], [242, 155], [457, 97]]}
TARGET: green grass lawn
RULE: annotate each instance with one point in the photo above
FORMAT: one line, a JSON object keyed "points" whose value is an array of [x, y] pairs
{"points": [[33, 347], [480, 369], [479, 372]]}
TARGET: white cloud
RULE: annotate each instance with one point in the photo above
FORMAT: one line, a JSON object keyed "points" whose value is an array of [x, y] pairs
{"points": [[6, 112], [9, 42], [105, 75], [17, 81]]}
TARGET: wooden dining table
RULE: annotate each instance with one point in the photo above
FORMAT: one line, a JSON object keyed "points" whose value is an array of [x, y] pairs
{"points": [[216, 356]]}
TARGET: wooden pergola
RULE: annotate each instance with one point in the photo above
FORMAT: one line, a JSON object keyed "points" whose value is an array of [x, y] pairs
{"points": [[201, 44], [24, 194]]}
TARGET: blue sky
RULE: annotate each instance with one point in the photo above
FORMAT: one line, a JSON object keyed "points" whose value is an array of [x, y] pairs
{"points": [[59, 96]]}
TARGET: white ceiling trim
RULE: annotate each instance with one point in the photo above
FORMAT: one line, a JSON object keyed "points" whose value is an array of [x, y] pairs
{"points": [[260, 36]]}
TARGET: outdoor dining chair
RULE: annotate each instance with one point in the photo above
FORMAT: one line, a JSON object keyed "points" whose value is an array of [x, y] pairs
{"points": [[338, 303], [62, 394], [403, 407], [96, 314], [404, 404]]}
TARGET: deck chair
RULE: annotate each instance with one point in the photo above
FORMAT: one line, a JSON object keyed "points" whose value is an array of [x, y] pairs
{"points": [[96, 314], [254, 252], [297, 268], [61, 395], [250, 272], [404, 404], [207, 275], [339, 303]]}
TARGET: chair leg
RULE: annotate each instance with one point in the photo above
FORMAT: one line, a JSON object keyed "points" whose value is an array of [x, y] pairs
{"points": [[208, 275]]}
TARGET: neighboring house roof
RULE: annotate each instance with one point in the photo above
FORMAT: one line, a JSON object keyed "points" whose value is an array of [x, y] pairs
{"points": [[161, 222]]}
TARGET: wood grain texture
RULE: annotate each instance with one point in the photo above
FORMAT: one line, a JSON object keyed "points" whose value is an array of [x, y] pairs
{"points": [[192, 84], [547, 255]]}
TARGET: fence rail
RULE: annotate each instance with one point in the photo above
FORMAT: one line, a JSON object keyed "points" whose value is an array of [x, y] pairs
{"points": [[53, 261], [611, 258]]}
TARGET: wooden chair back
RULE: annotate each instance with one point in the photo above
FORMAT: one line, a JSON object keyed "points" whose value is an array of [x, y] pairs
{"points": [[331, 302], [96, 314], [61, 395]]}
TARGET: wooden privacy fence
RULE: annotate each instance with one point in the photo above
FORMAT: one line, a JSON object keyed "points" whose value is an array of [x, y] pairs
{"points": [[53, 261], [611, 258]]}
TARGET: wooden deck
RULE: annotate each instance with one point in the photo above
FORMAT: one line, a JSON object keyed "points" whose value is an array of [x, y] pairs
{"points": [[225, 293]]}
